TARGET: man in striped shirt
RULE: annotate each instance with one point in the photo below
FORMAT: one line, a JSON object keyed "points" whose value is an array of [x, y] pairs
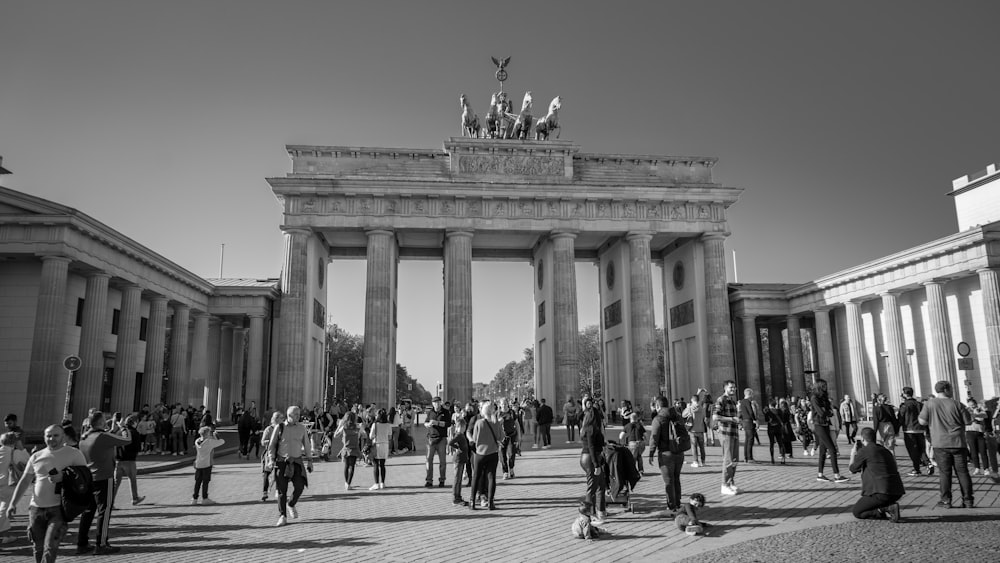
{"points": [[726, 415]]}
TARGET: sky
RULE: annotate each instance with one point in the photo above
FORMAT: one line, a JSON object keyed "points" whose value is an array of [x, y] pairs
{"points": [[844, 122]]}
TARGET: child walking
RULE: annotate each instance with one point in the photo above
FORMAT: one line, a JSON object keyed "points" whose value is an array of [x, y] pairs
{"points": [[207, 441]]}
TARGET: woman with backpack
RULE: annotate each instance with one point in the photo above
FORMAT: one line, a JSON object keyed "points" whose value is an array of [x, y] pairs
{"points": [[666, 437]]}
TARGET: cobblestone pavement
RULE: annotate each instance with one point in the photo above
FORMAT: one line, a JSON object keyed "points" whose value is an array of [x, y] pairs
{"points": [[783, 510]]}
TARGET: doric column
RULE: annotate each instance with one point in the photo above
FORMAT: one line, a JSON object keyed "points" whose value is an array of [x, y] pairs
{"points": [[892, 335], [824, 346], [991, 313], [127, 350], [179, 378], [293, 325], [776, 343], [458, 315], [795, 367], [210, 394], [940, 336], [199, 360], [565, 322], [225, 387], [46, 393], [720, 341], [237, 362], [860, 386], [89, 379], [379, 377], [156, 338], [646, 380], [751, 347], [256, 341]]}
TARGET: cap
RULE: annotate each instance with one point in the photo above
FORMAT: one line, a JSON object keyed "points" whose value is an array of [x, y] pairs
{"points": [[436, 399]]}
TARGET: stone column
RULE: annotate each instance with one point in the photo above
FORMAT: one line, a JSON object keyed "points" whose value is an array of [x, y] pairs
{"points": [[565, 321], [776, 343], [824, 346], [378, 384], [860, 386], [458, 315], [991, 314], [199, 360], [720, 341], [90, 377], [940, 336], [293, 324], [225, 407], [179, 378], [795, 367], [646, 380], [210, 394], [156, 337], [237, 362], [892, 327], [256, 340], [47, 381], [127, 350], [750, 344]]}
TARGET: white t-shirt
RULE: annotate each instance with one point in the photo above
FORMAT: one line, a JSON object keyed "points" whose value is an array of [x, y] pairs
{"points": [[41, 463]]}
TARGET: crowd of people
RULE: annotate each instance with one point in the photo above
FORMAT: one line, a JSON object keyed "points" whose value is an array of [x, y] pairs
{"points": [[483, 438]]}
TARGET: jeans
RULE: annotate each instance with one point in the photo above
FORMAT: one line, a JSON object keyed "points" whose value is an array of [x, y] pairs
{"points": [[484, 480], [915, 446], [570, 428], [698, 443], [46, 528], [868, 507], [991, 452], [596, 485], [977, 449], [670, 470], [349, 464], [544, 431], [202, 477], [730, 453], [298, 483], [826, 444], [177, 439], [100, 508], [508, 454], [636, 449], [436, 446], [851, 430], [126, 470], [959, 459], [749, 431], [456, 489]]}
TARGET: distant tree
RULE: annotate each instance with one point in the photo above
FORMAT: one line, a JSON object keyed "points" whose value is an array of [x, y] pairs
{"points": [[589, 361], [346, 363]]}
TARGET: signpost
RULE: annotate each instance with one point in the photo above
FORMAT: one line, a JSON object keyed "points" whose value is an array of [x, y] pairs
{"points": [[966, 364], [71, 363]]}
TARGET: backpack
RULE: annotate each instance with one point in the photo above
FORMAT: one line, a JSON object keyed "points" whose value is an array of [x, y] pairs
{"points": [[77, 495], [680, 439]]}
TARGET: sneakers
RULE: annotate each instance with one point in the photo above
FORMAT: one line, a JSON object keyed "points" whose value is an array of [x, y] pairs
{"points": [[506, 476], [840, 479], [597, 521], [727, 490], [822, 478], [205, 501], [943, 504], [375, 487], [292, 512], [914, 473], [381, 485], [459, 502], [893, 512], [84, 549], [428, 485], [282, 521], [695, 464], [534, 446], [347, 486], [137, 500], [967, 504], [263, 497], [978, 472], [440, 484], [106, 549], [930, 470], [194, 502]]}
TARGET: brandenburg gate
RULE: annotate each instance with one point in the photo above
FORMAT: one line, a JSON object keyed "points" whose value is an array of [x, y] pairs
{"points": [[540, 201]]}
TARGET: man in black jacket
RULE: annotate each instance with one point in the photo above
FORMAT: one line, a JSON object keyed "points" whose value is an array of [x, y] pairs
{"points": [[670, 463], [913, 431], [544, 418], [437, 421], [881, 485]]}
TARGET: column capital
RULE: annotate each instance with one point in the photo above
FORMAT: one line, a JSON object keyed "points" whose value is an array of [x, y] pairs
{"points": [[749, 316], [54, 258], [824, 308], [296, 230], [256, 315], [158, 299], [181, 307], [890, 292], [564, 233], [227, 324], [376, 232], [935, 281], [459, 233], [98, 274], [130, 285], [987, 270], [201, 314], [639, 235], [719, 235]]}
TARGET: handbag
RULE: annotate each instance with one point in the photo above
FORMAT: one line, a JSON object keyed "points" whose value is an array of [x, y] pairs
{"points": [[276, 440]]}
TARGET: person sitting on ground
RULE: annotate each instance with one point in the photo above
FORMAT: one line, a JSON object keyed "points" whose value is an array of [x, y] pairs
{"points": [[881, 485], [583, 528], [687, 521]]}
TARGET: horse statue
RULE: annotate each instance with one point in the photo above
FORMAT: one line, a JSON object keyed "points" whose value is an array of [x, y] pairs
{"points": [[470, 121], [499, 120], [492, 120], [522, 125], [546, 125]]}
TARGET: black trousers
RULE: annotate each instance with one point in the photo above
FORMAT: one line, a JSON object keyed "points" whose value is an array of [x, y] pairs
{"points": [[915, 447], [100, 508], [868, 507]]}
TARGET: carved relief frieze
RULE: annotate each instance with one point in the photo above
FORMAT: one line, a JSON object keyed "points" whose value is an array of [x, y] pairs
{"points": [[418, 206], [475, 208], [514, 165], [603, 209], [447, 208], [704, 212], [498, 208], [628, 210], [576, 209], [525, 208], [365, 206], [392, 206], [309, 205], [653, 211], [678, 212], [337, 205], [552, 209]]}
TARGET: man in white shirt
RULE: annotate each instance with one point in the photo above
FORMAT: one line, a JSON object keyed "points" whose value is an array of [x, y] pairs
{"points": [[292, 457], [46, 525]]}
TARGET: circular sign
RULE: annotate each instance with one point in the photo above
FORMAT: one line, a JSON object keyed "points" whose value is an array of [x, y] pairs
{"points": [[72, 363], [609, 275], [964, 349], [541, 273], [501, 75], [678, 275]]}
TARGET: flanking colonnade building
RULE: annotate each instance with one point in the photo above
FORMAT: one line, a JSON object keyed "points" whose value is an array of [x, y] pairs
{"points": [[894, 322]]}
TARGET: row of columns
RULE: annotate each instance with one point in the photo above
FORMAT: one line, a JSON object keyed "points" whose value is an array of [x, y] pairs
{"points": [[860, 385], [212, 376]]}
